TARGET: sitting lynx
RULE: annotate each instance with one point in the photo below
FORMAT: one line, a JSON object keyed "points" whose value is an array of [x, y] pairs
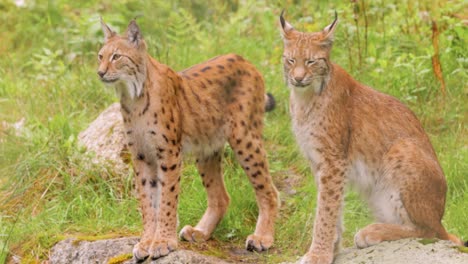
{"points": [[352, 133], [166, 114]]}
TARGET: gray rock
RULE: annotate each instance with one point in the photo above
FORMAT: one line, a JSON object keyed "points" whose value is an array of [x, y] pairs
{"points": [[76, 251], [105, 136], [71, 251], [405, 251]]}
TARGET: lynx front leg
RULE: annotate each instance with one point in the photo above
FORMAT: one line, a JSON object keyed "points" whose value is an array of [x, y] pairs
{"points": [[331, 181], [165, 235], [210, 170], [158, 187], [145, 177]]}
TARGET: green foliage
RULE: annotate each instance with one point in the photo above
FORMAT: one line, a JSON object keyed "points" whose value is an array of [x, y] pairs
{"points": [[49, 190], [462, 249], [120, 259], [427, 241]]}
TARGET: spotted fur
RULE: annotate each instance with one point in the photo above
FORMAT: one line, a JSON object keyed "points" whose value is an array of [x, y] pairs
{"points": [[166, 114], [352, 133]]}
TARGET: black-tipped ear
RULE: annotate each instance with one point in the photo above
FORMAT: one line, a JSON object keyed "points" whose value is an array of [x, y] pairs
{"points": [[329, 30], [286, 28], [108, 33], [133, 33], [282, 21]]}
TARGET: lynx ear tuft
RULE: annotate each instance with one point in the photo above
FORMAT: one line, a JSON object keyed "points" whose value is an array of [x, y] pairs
{"points": [[286, 28], [108, 33], [328, 31]]}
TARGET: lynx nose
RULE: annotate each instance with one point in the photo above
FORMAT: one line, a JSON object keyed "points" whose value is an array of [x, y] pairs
{"points": [[101, 73], [298, 79]]}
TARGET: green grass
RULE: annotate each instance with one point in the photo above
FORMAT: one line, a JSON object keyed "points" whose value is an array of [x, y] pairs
{"points": [[48, 51]]}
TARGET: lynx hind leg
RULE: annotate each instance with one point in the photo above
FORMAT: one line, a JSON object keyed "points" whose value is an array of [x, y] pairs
{"points": [[210, 169], [375, 233], [418, 201], [249, 152]]}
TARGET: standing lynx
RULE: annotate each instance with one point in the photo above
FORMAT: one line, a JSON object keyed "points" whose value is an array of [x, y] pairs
{"points": [[352, 133], [166, 114]]}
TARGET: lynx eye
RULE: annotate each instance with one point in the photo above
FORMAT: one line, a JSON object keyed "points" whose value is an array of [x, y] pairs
{"points": [[291, 61], [116, 56], [310, 62], [99, 57]]}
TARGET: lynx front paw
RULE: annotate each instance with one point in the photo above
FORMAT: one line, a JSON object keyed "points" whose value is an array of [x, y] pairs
{"points": [[161, 248], [258, 243], [192, 234], [366, 238], [310, 258], [141, 251]]}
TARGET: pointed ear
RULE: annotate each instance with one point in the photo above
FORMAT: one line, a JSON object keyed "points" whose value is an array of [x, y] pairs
{"points": [[108, 33], [133, 33], [286, 28], [328, 31]]}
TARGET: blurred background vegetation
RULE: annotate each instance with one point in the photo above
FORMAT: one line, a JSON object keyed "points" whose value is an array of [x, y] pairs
{"points": [[412, 49]]}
